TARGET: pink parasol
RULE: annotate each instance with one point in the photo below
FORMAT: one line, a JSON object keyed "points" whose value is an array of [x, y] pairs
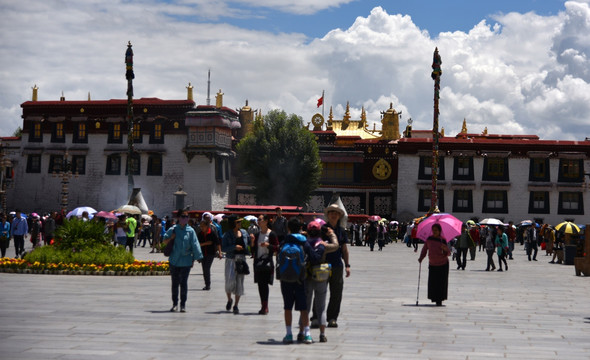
{"points": [[451, 226]]}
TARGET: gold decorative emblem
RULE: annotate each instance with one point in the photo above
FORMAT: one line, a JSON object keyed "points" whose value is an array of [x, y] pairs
{"points": [[144, 110], [176, 124], [97, 125], [382, 170], [387, 150], [370, 150], [317, 120], [81, 110]]}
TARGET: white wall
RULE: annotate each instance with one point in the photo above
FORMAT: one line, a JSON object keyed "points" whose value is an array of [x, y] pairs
{"points": [[42, 192]]}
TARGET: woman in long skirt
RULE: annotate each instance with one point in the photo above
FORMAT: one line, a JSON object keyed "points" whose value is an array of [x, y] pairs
{"points": [[438, 265]]}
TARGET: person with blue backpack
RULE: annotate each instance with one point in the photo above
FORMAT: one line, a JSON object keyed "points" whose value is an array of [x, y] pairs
{"points": [[291, 271]]}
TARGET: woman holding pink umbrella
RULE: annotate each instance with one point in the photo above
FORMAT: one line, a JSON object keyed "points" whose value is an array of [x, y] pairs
{"points": [[438, 264]]}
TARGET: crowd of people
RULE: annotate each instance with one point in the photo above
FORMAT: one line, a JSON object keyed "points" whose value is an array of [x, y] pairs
{"points": [[311, 261]]}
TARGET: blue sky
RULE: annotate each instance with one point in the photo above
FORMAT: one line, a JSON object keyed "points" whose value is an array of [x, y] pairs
{"points": [[434, 16]]}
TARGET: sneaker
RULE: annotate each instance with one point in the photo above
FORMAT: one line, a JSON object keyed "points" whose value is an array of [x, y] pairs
{"points": [[206, 288], [173, 308], [323, 338], [332, 324], [182, 309], [236, 310], [308, 340], [315, 324], [228, 305], [288, 339], [300, 338], [500, 269]]}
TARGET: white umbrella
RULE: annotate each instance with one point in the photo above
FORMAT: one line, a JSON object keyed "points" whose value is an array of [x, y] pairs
{"points": [[80, 210], [218, 217], [129, 209], [491, 221], [146, 217]]}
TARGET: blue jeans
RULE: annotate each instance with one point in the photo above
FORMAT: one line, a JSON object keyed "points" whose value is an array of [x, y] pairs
{"points": [[179, 278]]}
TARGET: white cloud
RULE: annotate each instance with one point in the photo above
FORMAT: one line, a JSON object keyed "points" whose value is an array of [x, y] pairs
{"points": [[524, 73]]}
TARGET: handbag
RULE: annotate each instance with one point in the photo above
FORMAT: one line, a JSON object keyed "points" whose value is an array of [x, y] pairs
{"points": [[263, 264], [168, 248], [321, 272], [242, 267]]}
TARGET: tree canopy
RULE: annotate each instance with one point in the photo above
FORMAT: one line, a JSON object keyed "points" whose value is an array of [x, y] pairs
{"points": [[281, 159]]}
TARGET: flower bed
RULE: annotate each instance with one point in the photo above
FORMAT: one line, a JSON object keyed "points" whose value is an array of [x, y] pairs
{"points": [[140, 268]]}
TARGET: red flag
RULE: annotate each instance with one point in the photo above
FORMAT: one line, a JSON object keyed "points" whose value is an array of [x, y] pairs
{"points": [[321, 101]]}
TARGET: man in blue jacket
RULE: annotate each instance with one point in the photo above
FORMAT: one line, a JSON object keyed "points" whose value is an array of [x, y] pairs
{"points": [[184, 253], [19, 228]]}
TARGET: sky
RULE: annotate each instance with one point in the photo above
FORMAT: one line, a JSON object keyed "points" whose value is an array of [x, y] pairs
{"points": [[515, 67]]}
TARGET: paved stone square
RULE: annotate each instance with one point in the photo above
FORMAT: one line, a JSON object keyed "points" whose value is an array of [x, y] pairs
{"points": [[535, 310]]}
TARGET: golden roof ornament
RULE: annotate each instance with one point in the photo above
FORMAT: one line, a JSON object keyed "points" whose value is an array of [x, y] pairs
{"points": [[189, 92], [390, 124], [442, 132], [464, 127], [219, 99], [89, 96], [346, 118], [330, 120], [35, 92], [485, 131], [363, 123]]}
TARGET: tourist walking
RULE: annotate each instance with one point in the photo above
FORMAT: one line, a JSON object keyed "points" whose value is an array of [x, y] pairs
{"points": [[265, 244], [235, 246], [531, 242], [335, 216], [4, 234], [35, 230], [316, 283], [279, 225], [511, 233], [381, 236], [131, 227], [121, 230], [502, 247], [464, 242], [49, 228], [438, 265], [19, 229], [157, 234], [291, 273], [185, 251], [372, 233], [210, 246], [490, 247]]}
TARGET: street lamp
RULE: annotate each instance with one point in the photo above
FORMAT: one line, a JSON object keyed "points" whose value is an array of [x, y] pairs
{"points": [[65, 174]]}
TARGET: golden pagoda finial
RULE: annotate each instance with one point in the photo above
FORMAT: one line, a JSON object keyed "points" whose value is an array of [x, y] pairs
{"points": [[35, 92], [89, 96], [189, 92], [390, 124], [330, 120], [219, 99], [485, 131], [62, 98], [363, 122], [464, 127], [442, 132], [346, 118]]}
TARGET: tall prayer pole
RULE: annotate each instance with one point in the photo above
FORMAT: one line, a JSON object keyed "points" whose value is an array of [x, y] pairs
{"points": [[436, 73], [129, 76]]}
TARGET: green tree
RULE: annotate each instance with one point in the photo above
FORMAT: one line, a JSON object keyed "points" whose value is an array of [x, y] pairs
{"points": [[18, 132], [281, 159]]}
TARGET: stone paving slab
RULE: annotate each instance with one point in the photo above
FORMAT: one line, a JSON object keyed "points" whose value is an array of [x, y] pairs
{"points": [[535, 310]]}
